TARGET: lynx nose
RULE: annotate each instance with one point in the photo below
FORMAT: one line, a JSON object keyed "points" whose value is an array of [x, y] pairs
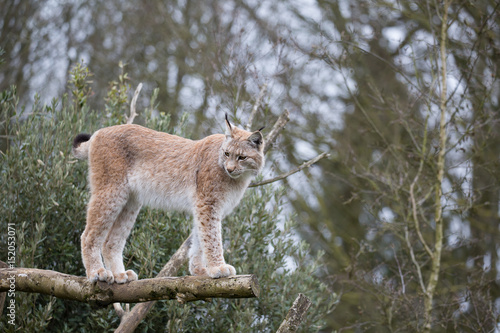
{"points": [[230, 167]]}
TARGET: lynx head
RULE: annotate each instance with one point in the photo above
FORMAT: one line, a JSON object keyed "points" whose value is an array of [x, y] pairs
{"points": [[242, 152]]}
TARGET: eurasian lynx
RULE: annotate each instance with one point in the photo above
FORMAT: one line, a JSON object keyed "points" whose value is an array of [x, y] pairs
{"points": [[130, 165]]}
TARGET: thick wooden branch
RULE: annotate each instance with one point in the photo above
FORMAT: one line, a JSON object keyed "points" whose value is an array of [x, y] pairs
{"points": [[80, 289], [295, 315]]}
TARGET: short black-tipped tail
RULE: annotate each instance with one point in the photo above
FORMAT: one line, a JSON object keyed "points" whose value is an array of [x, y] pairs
{"points": [[81, 147], [82, 137]]}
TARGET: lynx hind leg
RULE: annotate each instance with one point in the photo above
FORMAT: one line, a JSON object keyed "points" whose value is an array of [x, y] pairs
{"points": [[103, 209], [112, 250], [197, 265]]}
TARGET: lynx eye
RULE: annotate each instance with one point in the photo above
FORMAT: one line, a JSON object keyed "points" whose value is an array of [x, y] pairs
{"points": [[242, 158], [226, 153]]}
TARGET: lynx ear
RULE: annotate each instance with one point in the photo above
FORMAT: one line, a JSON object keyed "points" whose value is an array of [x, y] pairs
{"points": [[256, 138], [229, 128]]}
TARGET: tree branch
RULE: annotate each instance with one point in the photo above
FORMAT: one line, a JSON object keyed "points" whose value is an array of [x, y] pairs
{"points": [[80, 289], [278, 126], [295, 315], [289, 173], [130, 119], [256, 107]]}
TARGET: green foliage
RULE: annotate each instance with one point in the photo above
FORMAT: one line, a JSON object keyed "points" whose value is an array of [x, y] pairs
{"points": [[117, 98], [44, 194], [79, 84]]}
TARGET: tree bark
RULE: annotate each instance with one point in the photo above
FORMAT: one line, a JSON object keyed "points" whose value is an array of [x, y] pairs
{"points": [[295, 315], [187, 288]]}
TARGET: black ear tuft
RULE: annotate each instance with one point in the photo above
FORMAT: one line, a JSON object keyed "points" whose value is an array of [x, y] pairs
{"points": [[82, 137], [260, 129], [229, 128], [256, 138]]}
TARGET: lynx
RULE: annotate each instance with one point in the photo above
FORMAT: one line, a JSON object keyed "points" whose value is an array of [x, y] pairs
{"points": [[131, 166]]}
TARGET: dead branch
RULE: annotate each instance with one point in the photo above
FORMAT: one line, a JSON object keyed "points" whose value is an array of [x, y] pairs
{"points": [[80, 289], [278, 126], [256, 107], [289, 173], [131, 319], [130, 119], [295, 315]]}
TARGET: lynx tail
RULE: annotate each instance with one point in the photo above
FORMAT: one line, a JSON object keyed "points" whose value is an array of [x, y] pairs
{"points": [[81, 146]]}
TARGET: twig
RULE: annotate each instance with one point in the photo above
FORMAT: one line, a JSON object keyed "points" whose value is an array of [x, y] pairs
{"points": [[289, 173], [399, 269], [278, 126], [256, 107], [130, 119], [295, 315], [414, 260], [412, 196]]}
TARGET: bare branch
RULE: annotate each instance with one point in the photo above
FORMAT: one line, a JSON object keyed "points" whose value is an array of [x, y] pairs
{"points": [[130, 119], [289, 173], [80, 289], [278, 126], [414, 261], [295, 315], [256, 107], [119, 310]]}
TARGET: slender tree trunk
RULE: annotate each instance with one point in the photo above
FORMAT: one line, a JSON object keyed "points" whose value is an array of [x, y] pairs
{"points": [[438, 216]]}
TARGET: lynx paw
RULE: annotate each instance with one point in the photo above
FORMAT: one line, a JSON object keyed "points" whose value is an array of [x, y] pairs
{"points": [[102, 274], [127, 276], [198, 271], [221, 271]]}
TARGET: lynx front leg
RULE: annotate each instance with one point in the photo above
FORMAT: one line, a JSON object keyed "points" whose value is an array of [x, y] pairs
{"points": [[208, 225]]}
